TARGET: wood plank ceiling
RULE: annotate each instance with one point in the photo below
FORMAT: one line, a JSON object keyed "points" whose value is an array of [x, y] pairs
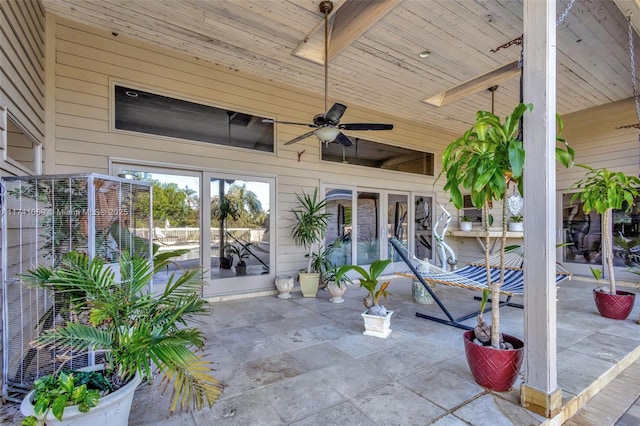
{"points": [[380, 67]]}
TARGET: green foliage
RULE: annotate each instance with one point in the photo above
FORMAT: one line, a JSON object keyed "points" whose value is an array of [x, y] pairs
{"points": [[601, 190], [488, 156], [517, 219], [239, 207], [55, 392], [134, 329], [179, 205], [465, 219], [484, 161], [332, 275], [369, 280], [310, 222], [321, 260], [597, 274], [240, 251]]}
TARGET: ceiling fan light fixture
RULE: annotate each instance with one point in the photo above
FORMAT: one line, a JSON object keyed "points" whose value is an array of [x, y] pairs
{"points": [[327, 134], [425, 54]]}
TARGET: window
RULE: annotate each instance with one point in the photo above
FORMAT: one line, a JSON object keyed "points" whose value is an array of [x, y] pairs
{"points": [[380, 156], [144, 112]]}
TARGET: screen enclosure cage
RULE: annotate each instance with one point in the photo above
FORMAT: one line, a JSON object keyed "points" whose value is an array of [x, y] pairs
{"points": [[44, 217]]}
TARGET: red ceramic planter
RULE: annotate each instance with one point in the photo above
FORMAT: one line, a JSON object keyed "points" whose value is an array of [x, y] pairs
{"points": [[494, 369], [615, 306]]}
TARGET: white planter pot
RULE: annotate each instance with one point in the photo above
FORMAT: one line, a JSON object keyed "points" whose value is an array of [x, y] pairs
{"points": [[309, 284], [515, 226], [284, 286], [376, 325], [336, 292], [112, 410], [466, 226]]}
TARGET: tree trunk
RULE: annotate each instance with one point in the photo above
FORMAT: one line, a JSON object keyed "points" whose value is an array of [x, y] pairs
{"points": [[607, 249]]}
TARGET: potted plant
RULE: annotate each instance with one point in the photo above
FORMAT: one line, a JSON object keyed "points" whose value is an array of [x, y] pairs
{"points": [[336, 285], [377, 319], [241, 251], [465, 223], [485, 161], [222, 210], [603, 191], [516, 225], [131, 328], [321, 263], [308, 231]]}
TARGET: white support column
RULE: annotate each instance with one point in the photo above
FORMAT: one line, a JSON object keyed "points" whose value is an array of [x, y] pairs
{"points": [[540, 392]]}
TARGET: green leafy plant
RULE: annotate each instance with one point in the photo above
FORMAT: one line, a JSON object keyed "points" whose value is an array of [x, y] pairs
{"points": [[241, 251], [597, 274], [517, 219], [310, 222], [603, 191], [134, 329], [465, 219], [340, 280], [369, 280], [484, 161], [56, 392]]}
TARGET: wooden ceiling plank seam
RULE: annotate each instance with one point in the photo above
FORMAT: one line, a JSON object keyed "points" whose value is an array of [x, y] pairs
{"points": [[243, 38], [450, 48]]}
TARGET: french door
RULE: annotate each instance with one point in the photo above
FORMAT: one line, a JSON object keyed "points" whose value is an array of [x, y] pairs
{"points": [[362, 219]]}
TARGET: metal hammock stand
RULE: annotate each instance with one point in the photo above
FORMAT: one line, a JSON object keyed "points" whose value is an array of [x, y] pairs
{"points": [[470, 277]]}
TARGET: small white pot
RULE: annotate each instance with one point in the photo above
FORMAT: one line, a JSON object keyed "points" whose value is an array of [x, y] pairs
{"points": [[466, 226], [336, 291], [377, 326], [515, 226], [284, 285], [112, 410]]}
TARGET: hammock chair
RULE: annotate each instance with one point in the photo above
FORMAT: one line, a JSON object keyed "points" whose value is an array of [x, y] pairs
{"points": [[471, 277]]}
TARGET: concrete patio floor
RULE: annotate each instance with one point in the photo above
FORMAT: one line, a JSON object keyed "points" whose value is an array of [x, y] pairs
{"points": [[305, 361]]}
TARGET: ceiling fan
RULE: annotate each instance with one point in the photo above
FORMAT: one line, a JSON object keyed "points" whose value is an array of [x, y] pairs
{"points": [[327, 126]]}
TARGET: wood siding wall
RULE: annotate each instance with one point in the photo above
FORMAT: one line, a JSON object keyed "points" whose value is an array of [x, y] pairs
{"points": [[22, 64], [89, 60], [22, 74]]}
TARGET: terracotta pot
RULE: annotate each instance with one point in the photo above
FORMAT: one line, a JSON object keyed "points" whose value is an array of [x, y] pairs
{"points": [[494, 369], [615, 306]]}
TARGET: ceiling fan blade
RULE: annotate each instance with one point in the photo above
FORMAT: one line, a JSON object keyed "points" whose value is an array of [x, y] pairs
{"points": [[366, 126], [269, 120], [299, 138], [335, 113], [343, 140]]}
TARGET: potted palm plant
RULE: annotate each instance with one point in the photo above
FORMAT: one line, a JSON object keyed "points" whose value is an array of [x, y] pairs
{"points": [[336, 285], [241, 251], [135, 331], [308, 231], [486, 160], [377, 319], [603, 191]]}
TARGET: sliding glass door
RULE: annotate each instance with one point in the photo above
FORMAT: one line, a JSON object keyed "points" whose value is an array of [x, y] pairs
{"points": [[224, 225]]}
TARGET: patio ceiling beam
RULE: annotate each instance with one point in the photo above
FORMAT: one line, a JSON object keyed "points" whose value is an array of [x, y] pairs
{"points": [[630, 7], [347, 22], [475, 85]]}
